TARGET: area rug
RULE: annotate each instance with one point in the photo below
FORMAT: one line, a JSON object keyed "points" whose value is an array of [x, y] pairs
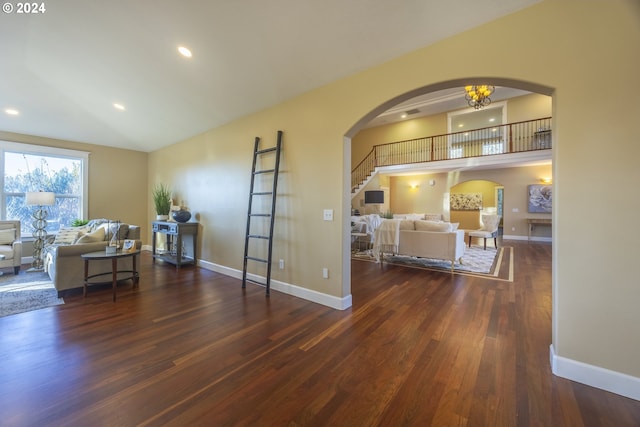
{"points": [[475, 261], [26, 292]]}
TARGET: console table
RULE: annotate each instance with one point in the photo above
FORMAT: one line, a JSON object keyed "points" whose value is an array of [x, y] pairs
{"points": [[174, 233], [532, 222]]}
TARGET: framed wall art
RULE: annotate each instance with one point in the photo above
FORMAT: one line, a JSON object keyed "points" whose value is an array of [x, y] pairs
{"points": [[465, 201], [540, 198]]}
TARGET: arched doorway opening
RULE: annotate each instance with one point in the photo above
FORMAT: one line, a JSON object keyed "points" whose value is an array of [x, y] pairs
{"points": [[447, 174]]}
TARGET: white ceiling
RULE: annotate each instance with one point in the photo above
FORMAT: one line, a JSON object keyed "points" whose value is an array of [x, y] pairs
{"points": [[63, 69], [439, 102]]}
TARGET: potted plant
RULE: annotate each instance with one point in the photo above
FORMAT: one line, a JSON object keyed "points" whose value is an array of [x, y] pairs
{"points": [[161, 201]]}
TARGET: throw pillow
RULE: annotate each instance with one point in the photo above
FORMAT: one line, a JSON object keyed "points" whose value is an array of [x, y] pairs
{"points": [[94, 236], [66, 236], [454, 226], [7, 236], [105, 228], [432, 217], [415, 216]]}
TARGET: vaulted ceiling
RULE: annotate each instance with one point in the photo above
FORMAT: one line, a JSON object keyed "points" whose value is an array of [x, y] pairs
{"points": [[63, 69]]}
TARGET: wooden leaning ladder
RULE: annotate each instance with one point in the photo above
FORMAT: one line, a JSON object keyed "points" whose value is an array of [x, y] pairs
{"points": [[258, 155]]}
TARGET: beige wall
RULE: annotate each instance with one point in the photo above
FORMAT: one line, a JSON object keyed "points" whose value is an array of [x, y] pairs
{"points": [[363, 142], [117, 179], [548, 48]]}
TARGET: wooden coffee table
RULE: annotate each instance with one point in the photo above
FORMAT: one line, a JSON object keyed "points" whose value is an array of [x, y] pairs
{"points": [[114, 257]]}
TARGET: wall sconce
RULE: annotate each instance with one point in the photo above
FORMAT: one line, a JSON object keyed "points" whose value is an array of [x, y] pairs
{"points": [[413, 186], [432, 182], [545, 180]]}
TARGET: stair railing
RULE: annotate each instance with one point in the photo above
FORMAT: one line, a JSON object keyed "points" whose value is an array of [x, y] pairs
{"points": [[515, 137]]}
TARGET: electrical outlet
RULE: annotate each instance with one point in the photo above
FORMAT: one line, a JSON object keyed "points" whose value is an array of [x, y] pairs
{"points": [[281, 264], [325, 273], [328, 215]]}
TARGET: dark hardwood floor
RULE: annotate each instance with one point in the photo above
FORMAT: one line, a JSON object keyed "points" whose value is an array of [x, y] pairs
{"points": [[187, 348]]}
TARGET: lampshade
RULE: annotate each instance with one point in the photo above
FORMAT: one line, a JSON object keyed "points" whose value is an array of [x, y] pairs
{"points": [[40, 198]]}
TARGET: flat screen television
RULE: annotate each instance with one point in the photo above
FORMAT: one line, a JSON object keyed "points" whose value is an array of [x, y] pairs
{"points": [[374, 196]]}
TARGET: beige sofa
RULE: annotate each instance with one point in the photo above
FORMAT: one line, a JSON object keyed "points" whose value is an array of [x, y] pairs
{"points": [[62, 258], [423, 239]]}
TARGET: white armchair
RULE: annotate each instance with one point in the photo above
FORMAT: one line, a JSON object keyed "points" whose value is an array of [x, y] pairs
{"points": [[10, 245], [489, 229]]}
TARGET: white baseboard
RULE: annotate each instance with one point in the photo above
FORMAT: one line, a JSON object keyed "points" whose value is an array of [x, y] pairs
{"points": [[533, 238], [595, 376], [285, 288]]}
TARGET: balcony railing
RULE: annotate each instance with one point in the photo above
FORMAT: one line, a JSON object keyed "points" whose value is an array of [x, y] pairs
{"points": [[502, 139]]}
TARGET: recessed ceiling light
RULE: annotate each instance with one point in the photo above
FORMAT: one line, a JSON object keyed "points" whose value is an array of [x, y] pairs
{"points": [[11, 111], [118, 106], [184, 52], [403, 116], [492, 119], [460, 125]]}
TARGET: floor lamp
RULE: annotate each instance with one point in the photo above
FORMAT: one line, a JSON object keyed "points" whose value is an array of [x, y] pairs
{"points": [[39, 199]]}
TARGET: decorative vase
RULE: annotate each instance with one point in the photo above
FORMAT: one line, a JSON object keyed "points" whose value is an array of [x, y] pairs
{"points": [[162, 217], [182, 215]]}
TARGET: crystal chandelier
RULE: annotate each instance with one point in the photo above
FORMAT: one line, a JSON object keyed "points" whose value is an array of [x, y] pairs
{"points": [[478, 96]]}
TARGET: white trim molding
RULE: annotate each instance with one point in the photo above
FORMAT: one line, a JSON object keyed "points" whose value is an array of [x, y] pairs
{"points": [[525, 238], [286, 288], [595, 376]]}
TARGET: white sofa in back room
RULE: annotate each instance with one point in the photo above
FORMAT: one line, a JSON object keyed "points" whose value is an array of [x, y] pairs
{"points": [[420, 238]]}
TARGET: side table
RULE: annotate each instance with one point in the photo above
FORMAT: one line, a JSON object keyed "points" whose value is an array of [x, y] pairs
{"points": [[174, 233], [114, 269], [532, 222]]}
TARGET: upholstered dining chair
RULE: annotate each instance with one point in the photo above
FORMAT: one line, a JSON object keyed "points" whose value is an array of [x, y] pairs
{"points": [[489, 229], [10, 245]]}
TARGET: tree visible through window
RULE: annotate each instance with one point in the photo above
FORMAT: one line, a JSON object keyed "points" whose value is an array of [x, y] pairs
{"points": [[32, 171]]}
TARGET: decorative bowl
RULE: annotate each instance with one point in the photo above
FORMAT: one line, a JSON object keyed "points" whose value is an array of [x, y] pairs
{"points": [[181, 216]]}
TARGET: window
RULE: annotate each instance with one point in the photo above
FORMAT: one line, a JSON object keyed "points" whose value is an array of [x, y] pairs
{"points": [[489, 148], [27, 168], [455, 152]]}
